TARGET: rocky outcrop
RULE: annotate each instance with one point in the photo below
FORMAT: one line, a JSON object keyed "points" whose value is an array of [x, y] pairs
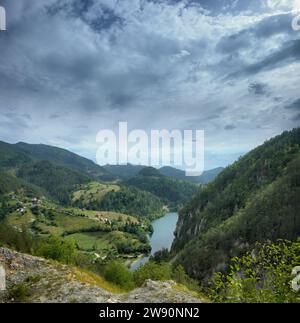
{"points": [[36, 280], [157, 292]]}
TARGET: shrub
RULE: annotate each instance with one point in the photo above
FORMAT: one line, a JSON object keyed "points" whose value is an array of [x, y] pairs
{"points": [[19, 293], [180, 276], [152, 271], [58, 249], [261, 276], [117, 273]]}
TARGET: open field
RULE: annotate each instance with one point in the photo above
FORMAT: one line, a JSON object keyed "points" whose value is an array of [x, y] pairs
{"points": [[93, 192]]}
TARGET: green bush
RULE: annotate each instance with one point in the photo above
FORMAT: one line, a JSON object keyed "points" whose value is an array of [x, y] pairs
{"points": [[153, 271], [19, 293], [21, 241], [180, 276], [33, 279], [117, 273], [58, 249], [261, 276]]}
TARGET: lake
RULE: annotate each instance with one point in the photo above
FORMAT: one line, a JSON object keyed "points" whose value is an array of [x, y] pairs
{"points": [[162, 237]]}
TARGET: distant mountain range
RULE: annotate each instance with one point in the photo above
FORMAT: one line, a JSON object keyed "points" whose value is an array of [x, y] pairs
{"points": [[132, 170], [21, 151], [55, 173], [205, 178]]}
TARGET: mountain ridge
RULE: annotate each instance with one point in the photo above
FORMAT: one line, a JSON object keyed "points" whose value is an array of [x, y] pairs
{"points": [[252, 200]]}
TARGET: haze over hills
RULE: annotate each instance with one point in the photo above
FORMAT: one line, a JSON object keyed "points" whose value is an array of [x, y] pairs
{"points": [[205, 178], [254, 200], [66, 158], [132, 170]]}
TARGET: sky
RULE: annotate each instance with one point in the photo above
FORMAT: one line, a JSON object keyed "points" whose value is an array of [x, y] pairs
{"points": [[69, 68]]}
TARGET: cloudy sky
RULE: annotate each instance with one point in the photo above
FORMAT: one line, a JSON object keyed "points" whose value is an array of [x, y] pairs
{"points": [[69, 68]]}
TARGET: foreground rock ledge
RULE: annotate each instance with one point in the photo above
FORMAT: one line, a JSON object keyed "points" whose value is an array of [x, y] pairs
{"points": [[51, 282]]}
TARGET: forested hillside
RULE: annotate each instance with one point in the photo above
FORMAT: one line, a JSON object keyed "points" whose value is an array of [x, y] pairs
{"points": [[205, 178], [128, 171], [171, 191], [124, 171], [65, 158], [57, 173], [255, 199], [118, 198], [23, 169], [58, 181]]}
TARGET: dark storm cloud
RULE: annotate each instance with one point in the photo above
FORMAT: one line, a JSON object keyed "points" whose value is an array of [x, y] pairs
{"points": [[230, 127], [121, 99], [258, 88], [103, 20], [246, 38], [294, 105], [54, 116], [296, 118], [233, 43], [274, 25], [287, 54]]}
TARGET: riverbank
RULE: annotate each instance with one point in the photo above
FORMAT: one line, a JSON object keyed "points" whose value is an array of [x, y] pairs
{"points": [[162, 237]]}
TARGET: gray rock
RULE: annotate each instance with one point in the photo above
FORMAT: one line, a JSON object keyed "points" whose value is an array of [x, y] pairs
{"points": [[52, 282]]}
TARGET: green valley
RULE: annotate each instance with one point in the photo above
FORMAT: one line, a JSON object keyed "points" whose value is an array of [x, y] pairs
{"points": [[110, 234], [234, 233]]}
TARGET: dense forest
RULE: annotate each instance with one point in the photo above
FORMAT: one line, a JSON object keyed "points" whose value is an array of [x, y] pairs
{"points": [[171, 191], [128, 171], [125, 199], [206, 177], [65, 158], [254, 200]]}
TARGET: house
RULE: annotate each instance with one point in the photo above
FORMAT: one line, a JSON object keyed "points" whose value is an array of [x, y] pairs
{"points": [[21, 210]]}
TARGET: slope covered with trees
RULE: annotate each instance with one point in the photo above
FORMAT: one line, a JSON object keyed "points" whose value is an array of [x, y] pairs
{"points": [[171, 191], [117, 198], [58, 181], [128, 171], [124, 171], [57, 173], [65, 158], [255, 199], [205, 178]]}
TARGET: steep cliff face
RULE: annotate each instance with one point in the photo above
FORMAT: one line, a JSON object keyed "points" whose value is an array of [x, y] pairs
{"points": [[36, 280], [255, 199]]}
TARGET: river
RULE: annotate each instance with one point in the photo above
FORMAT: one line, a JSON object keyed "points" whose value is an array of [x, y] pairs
{"points": [[162, 237]]}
